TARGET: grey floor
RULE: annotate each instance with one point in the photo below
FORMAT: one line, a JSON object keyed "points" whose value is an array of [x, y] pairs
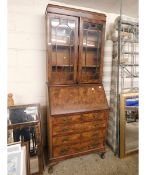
{"points": [[92, 164]]}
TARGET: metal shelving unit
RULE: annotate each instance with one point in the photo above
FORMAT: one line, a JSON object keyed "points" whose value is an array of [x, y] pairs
{"points": [[130, 48], [125, 72], [127, 55]]}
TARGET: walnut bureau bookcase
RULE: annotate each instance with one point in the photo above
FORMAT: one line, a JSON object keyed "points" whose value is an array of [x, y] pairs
{"points": [[77, 105]]}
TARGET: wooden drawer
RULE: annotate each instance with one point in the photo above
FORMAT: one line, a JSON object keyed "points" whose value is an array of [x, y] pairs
{"points": [[76, 148], [76, 138], [85, 146], [66, 129], [62, 151], [99, 116], [92, 135], [66, 119], [69, 139], [77, 128], [94, 125]]}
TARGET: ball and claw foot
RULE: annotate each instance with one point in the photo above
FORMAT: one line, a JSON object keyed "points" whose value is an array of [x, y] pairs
{"points": [[50, 169]]}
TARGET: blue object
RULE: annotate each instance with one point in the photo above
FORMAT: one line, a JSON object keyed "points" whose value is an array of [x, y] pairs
{"points": [[132, 102]]}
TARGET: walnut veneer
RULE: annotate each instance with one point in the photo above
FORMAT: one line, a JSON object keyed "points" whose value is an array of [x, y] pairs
{"points": [[78, 109]]}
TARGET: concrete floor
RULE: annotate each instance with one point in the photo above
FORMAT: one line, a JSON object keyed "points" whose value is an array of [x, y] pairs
{"points": [[92, 164]]}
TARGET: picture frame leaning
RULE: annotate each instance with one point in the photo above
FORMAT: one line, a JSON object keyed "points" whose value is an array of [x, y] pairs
{"points": [[17, 159]]}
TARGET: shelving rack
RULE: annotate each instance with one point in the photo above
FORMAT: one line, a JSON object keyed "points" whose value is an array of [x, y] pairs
{"points": [[128, 55], [124, 71]]}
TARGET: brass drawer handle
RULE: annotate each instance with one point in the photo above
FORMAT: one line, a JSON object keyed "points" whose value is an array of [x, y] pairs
{"points": [[65, 129], [96, 124], [95, 116], [95, 134], [65, 139], [65, 120], [81, 117]]}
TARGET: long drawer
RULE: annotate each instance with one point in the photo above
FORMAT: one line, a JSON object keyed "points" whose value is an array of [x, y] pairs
{"points": [[67, 139], [76, 148], [78, 138], [78, 128], [65, 120]]}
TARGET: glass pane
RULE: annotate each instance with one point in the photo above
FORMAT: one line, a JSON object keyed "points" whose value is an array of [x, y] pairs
{"points": [[91, 51], [54, 22], [63, 49], [22, 115], [132, 124], [71, 24]]}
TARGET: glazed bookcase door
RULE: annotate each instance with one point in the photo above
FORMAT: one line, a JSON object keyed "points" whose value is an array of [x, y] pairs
{"points": [[91, 51], [62, 48]]}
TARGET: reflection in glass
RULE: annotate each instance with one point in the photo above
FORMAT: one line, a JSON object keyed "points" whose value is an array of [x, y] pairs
{"points": [[63, 49], [54, 22], [23, 114], [63, 32], [132, 122], [91, 51]]}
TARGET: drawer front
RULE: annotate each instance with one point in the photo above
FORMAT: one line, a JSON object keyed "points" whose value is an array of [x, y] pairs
{"points": [[66, 119], [76, 148], [93, 135], [77, 128], [99, 116], [93, 125], [69, 139], [62, 151], [85, 146], [66, 129]]}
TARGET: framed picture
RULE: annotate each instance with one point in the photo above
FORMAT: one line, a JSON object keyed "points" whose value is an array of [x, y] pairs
{"points": [[14, 162], [17, 159]]}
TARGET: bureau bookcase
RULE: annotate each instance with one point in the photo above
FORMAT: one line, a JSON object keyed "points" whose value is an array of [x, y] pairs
{"points": [[77, 105]]}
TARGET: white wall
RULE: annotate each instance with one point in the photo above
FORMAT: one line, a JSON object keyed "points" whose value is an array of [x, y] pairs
{"points": [[27, 50]]}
